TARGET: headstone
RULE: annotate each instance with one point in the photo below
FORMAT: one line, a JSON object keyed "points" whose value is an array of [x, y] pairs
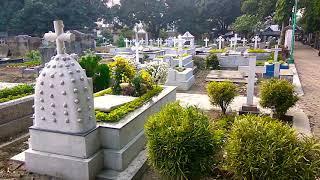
{"points": [[220, 40], [137, 48], [151, 42], [206, 40], [256, 39], [235, 40], [276, 53], [127, 42], [231, 42], [244, 42], [250, 107]]}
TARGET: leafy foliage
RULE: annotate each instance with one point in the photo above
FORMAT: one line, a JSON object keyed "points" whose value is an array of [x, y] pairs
{"points": [[142, 83], [245, 24], [33, 55], [256, 51], [120, 42], [16, 92], [279, 95], [180, 142], [122, 72], [158, 71], [100, 73], [212, 62], [212, 51], [221, 94], [120, 112], [264, 148], [199, 62]]}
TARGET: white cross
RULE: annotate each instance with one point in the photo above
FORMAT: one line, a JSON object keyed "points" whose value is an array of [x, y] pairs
{"points": [[130, 43], [236, 39], [231, 42], [256, 39], [126, 41], [137, 48], [220, 40], [151, 42], [180, 46], [174, 41], [244, 42], [276, 53], [206, 40], [59, 36], [159, 41]]}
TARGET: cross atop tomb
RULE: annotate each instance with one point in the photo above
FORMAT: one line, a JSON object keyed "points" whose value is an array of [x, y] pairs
{"points": [[236, 39], [256, 39], [158, 41], [244, 42], [206, 40], [59, 36], [126, 41], [220, 40], [276, 53], [137, 48], [151, 42], [231, 42]]}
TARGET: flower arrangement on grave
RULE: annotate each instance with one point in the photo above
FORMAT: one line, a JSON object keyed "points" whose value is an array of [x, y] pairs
{"points": [[158, 71], [8, 94]]}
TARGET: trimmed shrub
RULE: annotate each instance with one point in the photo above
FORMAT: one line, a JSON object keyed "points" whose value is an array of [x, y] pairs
{"points": [[100, 73], [279, 95], [212, 62], [180, 142], [142, 83], [33, 55], [122, 72], [264, 148], [221, 94], [120, 42], [19, 91], [199, 62]]}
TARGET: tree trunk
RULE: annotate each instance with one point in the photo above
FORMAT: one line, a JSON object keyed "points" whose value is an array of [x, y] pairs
{"points": [[282, 33]]}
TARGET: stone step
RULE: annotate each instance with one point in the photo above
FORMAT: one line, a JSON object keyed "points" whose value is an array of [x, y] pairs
{"points": [[134, 171]]}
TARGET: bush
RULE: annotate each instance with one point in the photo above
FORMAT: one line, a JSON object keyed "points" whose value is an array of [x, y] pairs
{"points": [[264, 148], [221, 94], [180, 142], [158, 71], [100, 73], [8, 94], [199, 62], [279, 95], [33, 55], [212, 62], [121, 42], [122, 72]]}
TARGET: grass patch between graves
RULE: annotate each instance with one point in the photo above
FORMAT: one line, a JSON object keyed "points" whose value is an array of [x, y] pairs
{"points": [[120, 112], [26, 64], [257, 51], [16, 92]]}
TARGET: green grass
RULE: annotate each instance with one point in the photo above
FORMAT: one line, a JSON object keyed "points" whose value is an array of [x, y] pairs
{"points": [[26, 64], [217, 51], [120, 112], [16, 92], [256, 51]]}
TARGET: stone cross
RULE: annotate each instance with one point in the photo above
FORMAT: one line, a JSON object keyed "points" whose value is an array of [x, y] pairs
{"points": [[151, 42], [137, 48], [256, 39], [251, 80], [206, 40], [167, 42], [141, 41], [130, 43], [231, 42], [159, 41], [174, 41], [244, 42], [276, 53], [236, 39], [180, 46], [220, 40], [127, 42], [63, 93], [59, 37]]}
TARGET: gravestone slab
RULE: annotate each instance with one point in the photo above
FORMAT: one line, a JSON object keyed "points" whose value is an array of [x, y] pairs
{"points": [[108, 103]]}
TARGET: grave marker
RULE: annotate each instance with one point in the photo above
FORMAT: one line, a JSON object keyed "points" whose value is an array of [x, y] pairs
{"points": [[256, 39], [127, 42], [206, 40], [220, 40]]}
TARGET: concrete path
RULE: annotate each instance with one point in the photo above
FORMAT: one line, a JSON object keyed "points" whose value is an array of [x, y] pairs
{"points": [[300, 120], [308, 66]]}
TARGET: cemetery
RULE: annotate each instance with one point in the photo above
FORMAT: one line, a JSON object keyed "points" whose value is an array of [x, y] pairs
{"points": [[132, 97]]}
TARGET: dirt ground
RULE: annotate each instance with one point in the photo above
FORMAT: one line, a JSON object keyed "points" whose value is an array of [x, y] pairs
{"points": [[14, 75], [307, 61]]}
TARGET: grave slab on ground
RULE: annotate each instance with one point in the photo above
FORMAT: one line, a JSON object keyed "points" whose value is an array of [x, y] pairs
{"points": [[108, 103], [226, 75]]}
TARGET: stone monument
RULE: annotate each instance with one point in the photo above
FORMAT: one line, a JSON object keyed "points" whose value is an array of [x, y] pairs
{"points": [[220, 40], [62, 139], [250, 107], [256, 39], [206, 40]]}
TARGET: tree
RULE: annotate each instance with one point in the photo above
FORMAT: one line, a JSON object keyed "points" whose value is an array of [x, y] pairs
{"points": [[35, 17], [259, 8], [311, 16], [8, 9], [245, 24]]}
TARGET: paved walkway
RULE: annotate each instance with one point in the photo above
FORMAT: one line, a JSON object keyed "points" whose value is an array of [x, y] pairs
{"points": [[308, 66]]}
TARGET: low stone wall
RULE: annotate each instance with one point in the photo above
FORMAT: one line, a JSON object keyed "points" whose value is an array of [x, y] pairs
{"points": [[15, 116]]}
